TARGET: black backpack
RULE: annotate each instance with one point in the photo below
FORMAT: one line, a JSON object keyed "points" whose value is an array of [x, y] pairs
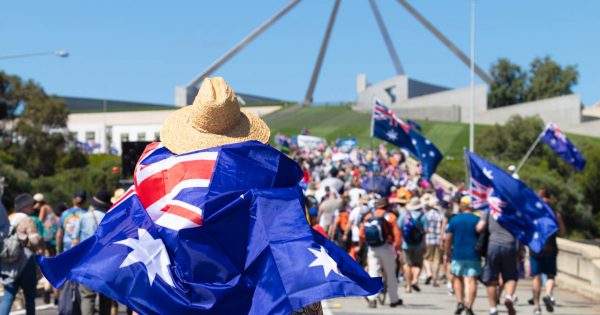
{"points": [[70, 299], [376, 230]]}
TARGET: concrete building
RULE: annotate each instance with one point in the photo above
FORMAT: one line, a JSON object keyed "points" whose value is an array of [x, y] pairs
{"points": [[418, 100], [101, 125]]}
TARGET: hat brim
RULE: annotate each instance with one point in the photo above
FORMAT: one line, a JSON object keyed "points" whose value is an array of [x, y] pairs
{"points": [[179, 136], [414, 207]]}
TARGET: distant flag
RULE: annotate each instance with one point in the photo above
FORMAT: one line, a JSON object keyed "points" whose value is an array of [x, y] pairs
{"points": [[413, 124], [388, 127], [560, 144], [216, 231], [510, 202]]}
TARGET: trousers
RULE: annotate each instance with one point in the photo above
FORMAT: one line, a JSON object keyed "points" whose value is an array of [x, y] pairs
{"points": [[88, 301], [384, 257]]}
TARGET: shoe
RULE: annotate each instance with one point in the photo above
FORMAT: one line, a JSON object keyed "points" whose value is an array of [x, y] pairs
{"points": [[435, 284], [459, 308], [548, 302], [469, 311], [46, 297], [428, 280], [416, 287], [510, 306], [372, 304], [530, 301], [537, 311], [397, 303]]}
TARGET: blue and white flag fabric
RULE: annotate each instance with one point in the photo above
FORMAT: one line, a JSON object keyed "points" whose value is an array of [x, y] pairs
{"points": [[560, 144], [216, 231], [414, 125], [388, 127], [510, 202]]}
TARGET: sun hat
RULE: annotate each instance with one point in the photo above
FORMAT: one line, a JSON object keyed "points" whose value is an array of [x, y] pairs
{"points": [[117, 194], [414, 204], [22, 201], [101, 199], [214, 119], [39, 197], [403, 195], [382, 203], [465, 201]]}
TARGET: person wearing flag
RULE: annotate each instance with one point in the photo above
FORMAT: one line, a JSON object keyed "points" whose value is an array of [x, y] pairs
{"points": [[214, 224]]}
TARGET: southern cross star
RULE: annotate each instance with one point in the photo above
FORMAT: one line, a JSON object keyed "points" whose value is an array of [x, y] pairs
{"points": [[392, 134], [488, 173], [323, 259], [150, 252]]}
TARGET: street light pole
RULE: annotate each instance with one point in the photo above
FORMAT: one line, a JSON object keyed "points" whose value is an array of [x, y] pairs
{"points": [[472, 110], [58, 53]]}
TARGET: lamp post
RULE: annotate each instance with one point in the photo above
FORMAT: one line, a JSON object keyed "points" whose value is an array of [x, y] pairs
{"points": [[58, 53]]}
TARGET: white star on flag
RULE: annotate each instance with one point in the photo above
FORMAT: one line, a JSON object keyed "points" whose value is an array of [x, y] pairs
{"points": [[150, 252], [488, 173], [538, 205], [427, 141], [392, 134], [431, 153], [323, 259], [414, 142]]}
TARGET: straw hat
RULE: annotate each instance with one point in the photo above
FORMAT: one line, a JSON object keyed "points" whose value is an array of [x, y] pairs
{"points": [[429, 199], [213, 119], [118, 193], [414, 204]]}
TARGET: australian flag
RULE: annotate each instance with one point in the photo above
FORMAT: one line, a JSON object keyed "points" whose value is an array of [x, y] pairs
{"points": [[559, 142], [510, 202], [216, 231], [388, 127]]}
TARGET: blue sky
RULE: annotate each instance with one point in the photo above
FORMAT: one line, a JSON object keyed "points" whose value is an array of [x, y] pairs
{"points": [[141, 50]]}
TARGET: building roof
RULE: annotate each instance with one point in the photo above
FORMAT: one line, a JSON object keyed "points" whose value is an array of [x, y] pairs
{"points": [[97, 105]]}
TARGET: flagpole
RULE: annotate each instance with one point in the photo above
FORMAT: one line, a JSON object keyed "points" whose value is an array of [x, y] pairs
{"points": [[372, 121], [467, 172], [472, 109], [535, 143]]}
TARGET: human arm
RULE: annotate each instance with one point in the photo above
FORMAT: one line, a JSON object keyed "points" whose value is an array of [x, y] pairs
{"points": [[561, 225], [482, 224]]}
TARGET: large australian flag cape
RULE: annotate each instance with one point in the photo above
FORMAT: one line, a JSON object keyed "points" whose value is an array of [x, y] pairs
{"points": [[510, 202], [216, 231]]}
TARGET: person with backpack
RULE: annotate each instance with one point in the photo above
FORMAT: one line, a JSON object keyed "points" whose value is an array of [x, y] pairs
{"points": [[383, 239], [465, 267], [18, 267], [413, 224]]}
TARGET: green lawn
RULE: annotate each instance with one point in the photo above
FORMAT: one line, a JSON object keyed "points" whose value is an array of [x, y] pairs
{"points": [[340, 121]]}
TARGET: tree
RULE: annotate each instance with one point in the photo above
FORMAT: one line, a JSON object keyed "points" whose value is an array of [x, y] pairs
{"points": [[508, 84], [37, 138], [549, 79]]}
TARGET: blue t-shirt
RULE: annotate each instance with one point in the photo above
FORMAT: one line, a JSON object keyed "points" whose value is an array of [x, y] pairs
{"points": [[464, 236], [402, 220]]}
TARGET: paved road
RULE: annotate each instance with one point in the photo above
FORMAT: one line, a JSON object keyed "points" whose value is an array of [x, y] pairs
{"points": [[433, 301], [436, 301]]}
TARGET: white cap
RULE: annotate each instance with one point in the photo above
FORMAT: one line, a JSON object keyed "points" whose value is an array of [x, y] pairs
{"points": [[38, 197]]}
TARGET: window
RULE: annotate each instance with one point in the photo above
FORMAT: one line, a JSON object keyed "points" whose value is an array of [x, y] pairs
{"points": [[141, 136], [124, 137], [90, 136]]}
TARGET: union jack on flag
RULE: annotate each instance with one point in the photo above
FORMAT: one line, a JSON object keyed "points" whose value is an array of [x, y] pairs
{"points": [[172, 188], [483, 197], [382, 112]]}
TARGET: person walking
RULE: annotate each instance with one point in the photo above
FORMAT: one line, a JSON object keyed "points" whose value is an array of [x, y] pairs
{"points": [[413, 224], [433, 238], [501, 259], [383, 239], [331, 202], [86, 227], [544, 262], [68, 221], [18, 267], [461, 237]]}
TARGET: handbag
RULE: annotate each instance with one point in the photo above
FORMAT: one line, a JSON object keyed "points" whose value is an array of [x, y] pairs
{"points": [[70, 299], [484, 238]]}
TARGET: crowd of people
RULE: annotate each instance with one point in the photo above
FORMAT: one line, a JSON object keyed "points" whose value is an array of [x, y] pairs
{"points": [[34, 227], [376, 205]]}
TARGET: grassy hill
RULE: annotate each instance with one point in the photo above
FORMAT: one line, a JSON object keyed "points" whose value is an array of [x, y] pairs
{"points": [[332, 122]]}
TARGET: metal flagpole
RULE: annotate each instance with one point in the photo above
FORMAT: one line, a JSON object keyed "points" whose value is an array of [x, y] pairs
{"points": [[372, 121], [242, 44], [472, 110], [308, 98], [531, 148], [386, 38]]}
